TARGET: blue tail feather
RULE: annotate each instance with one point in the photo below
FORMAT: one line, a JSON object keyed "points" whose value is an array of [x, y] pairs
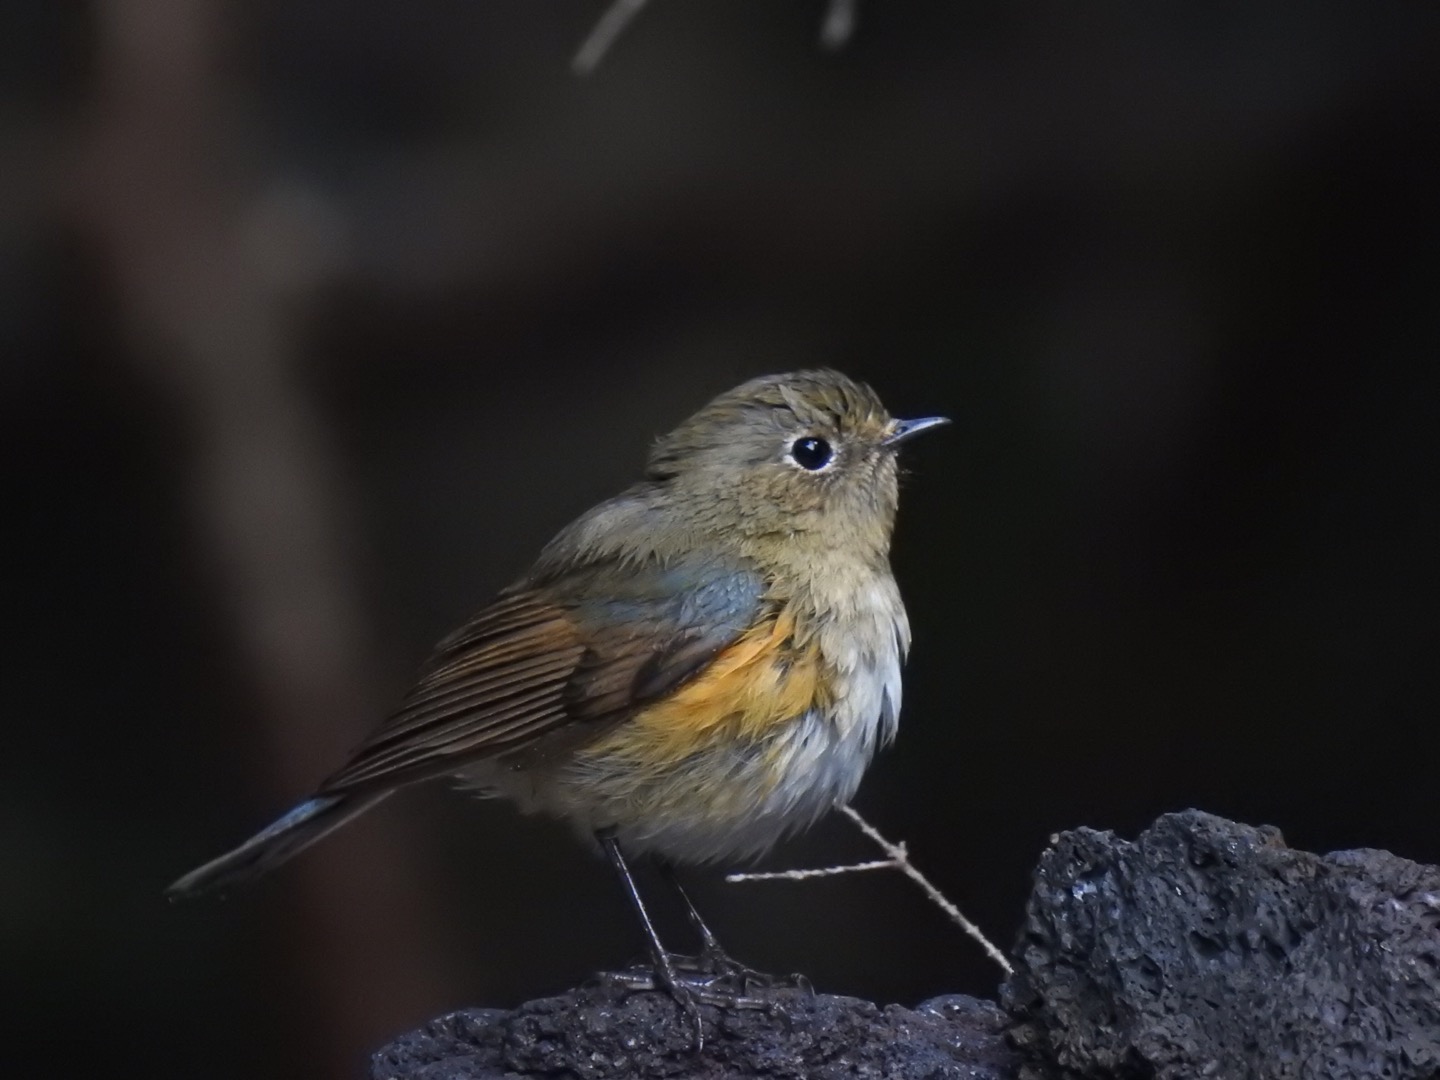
{"points": [[272, 845]]}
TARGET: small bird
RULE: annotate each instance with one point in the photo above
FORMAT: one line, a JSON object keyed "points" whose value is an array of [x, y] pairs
{"points": [[691, 670]]}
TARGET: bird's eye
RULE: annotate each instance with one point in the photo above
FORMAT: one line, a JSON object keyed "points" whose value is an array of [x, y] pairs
{"points": [[811, 453]]}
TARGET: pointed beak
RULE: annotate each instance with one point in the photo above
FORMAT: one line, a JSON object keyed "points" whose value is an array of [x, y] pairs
{"points": [[905, 430]]}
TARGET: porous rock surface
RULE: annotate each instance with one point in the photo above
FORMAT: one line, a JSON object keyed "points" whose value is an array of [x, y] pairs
{"points": [[1208, 948], [599, 1033]]}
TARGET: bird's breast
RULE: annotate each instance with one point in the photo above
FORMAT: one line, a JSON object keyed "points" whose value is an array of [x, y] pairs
{"points": [[863, 635]]}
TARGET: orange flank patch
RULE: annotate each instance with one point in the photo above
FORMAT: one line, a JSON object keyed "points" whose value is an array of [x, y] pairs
{"points": [[762, 681]]}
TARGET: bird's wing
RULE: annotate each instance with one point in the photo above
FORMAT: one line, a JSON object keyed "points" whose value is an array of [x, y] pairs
{"points": [[579, 651]]}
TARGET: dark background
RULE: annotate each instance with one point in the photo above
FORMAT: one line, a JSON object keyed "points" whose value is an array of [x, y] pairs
{"points": [[317, 317]]}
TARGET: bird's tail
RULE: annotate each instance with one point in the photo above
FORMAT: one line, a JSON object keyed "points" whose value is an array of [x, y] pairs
{"points": [[274, 844]]}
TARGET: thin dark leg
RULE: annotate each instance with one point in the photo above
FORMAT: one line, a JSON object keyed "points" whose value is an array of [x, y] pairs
{"points": [[709, 943], [664, 967], [713, 959]]}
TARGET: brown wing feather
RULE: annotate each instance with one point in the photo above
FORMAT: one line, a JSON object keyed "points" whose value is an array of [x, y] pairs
{"points": [[496, 683], [555, 664]]}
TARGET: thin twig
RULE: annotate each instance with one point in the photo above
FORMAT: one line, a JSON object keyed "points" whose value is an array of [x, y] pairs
{"points": [[903, 863], [611, 25], [824, 871], [839, 24], [899, 859]]}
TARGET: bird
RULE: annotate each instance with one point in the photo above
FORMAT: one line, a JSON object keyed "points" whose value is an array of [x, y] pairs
{"points": [[690, 671]]}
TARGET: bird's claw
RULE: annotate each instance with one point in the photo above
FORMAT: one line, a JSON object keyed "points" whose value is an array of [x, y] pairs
{"points": [[720, 967], [695, 981]]}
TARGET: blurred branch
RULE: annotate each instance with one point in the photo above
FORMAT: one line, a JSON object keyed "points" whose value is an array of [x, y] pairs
{"points": [[611, 25], [835, 30], [839, 24], [898, 859], [207, 260]]}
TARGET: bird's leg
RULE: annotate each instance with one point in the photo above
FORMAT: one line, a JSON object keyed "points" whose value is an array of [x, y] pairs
{"points": [[712, 956], [713, 959], [664, 968]]}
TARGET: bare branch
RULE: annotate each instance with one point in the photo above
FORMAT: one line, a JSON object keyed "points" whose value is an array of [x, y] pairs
{"points": [[611, 25], [824, 871], [906, 867], [898, 859]]}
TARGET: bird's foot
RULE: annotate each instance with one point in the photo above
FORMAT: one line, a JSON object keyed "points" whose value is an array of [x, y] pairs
{"points": [[686, 977], [691, 982], [724, 971]]}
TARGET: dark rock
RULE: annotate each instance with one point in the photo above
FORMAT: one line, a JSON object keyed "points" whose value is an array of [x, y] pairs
{"points": [[1207, 948], [600, 1033]]}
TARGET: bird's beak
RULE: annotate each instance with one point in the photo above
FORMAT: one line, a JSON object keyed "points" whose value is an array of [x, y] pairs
{"points": [[905, 430]]}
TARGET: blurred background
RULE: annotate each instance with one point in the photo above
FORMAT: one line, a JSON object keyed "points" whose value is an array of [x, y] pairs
{"points": [[317, 318]]}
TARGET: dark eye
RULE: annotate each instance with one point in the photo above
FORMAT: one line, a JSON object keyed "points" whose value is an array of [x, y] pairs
{"points": [[811, 453]]}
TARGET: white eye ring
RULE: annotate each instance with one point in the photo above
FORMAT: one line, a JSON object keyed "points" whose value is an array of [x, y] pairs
{"points": [[811, 453]]}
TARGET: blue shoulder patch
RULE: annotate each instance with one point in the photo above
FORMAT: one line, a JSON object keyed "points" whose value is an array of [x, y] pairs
{"points": [[729, 601]]}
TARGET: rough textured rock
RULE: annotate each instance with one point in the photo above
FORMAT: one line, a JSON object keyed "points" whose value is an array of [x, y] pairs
{"points": [[1207, 948], [598, 1033]]}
